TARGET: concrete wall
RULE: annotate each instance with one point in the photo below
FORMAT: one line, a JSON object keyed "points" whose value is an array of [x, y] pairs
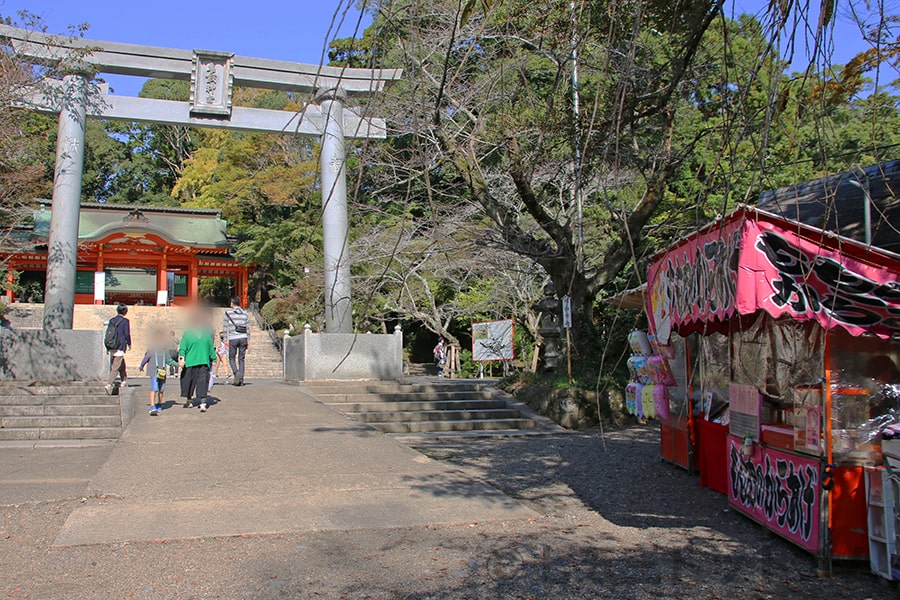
{"points": [[144, 319], [343, 356], [38, 355]]}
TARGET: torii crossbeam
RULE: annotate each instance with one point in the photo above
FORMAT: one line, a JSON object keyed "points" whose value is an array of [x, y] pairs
{"points": [[213, 76]]}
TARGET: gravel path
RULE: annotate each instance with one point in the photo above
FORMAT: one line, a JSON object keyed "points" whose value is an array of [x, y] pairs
{"points": [[615, 523]]}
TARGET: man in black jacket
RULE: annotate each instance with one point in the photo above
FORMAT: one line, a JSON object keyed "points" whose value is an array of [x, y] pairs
{"points": [[123, 344]]}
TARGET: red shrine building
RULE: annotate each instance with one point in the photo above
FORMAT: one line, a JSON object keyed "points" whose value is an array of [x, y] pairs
{"points": [[135, 254]]}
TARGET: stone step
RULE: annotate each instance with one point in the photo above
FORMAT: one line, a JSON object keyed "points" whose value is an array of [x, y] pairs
{"points": [[435, 415], [59, 400], [67, 389], [404, 396], [398, 406], [457, 425], [393, 387], [29, 422], [39, 410], [60, 433], [416, 439]]}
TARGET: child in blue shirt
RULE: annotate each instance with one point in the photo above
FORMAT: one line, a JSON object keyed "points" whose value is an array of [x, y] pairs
{"points": [[158, 354]]}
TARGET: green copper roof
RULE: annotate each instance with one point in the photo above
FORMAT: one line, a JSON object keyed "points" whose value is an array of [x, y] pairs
{"points": [[183, 227]]}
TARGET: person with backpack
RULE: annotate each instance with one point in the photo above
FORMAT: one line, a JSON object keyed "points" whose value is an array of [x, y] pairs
{"points": [[440, 357], [158, 353], [236, 326], [117, 341]]}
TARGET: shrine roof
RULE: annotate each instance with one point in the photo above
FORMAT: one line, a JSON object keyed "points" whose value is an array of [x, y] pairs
{"points": [[198, 228]]}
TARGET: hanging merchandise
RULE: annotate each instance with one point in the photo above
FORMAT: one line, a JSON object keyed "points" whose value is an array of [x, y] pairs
{"points": [[648, 400], [661, 401], [664, 350], [640, 344], [639, 367], [632, 397], [660, 372]]}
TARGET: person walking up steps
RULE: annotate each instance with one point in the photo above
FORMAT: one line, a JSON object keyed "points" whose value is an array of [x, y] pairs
{"points": [[158, 352], [237, 331], [196, 353], [221, 354], [117, 341]]}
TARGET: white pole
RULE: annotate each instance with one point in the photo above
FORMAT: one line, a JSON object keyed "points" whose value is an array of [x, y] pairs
{"points": [[335, 223], [59, 296]]}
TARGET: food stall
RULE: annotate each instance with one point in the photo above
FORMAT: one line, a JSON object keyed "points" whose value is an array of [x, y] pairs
{"points": [[794, 340]]}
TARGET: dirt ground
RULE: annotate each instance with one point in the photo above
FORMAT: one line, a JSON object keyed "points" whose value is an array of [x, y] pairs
{"points": [[614, 522]]}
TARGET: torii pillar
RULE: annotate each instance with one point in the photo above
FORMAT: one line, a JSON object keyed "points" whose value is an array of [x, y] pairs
{"points": [[335, 222], [59, 298]]}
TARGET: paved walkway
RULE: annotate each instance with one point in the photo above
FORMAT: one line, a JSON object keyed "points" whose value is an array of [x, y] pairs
{"points": [[268, 458]]}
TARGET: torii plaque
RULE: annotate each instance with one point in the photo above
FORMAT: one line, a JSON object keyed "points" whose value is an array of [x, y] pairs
{"points": [[213, 76]]}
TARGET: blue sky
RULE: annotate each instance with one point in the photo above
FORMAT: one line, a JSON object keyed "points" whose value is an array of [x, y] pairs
{"points": [[294, 30]]}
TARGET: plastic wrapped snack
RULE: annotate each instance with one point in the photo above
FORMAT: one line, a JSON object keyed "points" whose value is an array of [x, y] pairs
{"points": [[664, 350], [639, 343], [632, 397], [661, 401], [648, 400], [660, 372], [639, 367]]}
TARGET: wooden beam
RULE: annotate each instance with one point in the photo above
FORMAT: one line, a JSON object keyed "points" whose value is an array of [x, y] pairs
{"points": [[169, 63]]}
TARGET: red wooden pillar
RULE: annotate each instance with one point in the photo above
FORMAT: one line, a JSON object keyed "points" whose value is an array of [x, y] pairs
{"points": [[10, 280], [193, 280], [244, 279]]}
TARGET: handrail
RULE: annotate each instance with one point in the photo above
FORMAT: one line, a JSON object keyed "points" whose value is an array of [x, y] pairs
{"points": [[265, 326]]}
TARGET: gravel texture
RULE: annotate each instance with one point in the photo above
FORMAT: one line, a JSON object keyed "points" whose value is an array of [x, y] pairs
{"points": [[615, 523]]}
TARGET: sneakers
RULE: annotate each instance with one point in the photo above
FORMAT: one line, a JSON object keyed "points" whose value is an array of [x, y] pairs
{"points": [[188, 404], [203, 407], [154, 410], [109, 389]]}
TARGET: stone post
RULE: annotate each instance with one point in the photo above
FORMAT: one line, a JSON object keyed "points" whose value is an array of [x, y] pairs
{"points": [[59, 296], [335, 226]]}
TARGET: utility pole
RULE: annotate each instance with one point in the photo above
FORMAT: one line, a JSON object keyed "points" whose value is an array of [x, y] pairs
{"points": [[576, 110]]}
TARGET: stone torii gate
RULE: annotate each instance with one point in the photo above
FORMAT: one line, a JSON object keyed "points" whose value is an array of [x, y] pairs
{"points": [[212, 76]]}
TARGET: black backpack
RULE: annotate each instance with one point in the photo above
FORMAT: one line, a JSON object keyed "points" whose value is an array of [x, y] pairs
{"points": [[111, 338]]}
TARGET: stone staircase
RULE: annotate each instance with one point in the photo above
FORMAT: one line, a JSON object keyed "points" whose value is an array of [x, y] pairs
{"points": [[64, 411], [264, 361], [431, 409]]}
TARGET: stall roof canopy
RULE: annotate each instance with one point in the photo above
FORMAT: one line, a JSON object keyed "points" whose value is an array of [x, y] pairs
{"points": [[753, 260], [633, 299], [198, 228], [836, 203]]}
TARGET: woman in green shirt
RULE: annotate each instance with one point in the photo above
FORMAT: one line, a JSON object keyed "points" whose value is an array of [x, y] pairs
{"points": [[195, 354]]}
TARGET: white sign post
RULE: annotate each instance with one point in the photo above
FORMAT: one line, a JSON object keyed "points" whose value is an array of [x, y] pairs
{"points": [[567, 323], [99, 287], [567, 311]]}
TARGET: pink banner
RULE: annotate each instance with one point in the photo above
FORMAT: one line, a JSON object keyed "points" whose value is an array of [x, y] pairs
{"points": [[753, 262], [695, 281], [779, 490], [786, 275]]}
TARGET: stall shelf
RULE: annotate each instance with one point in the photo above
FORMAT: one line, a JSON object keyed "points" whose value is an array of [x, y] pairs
{"points": [[882, 522]]}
